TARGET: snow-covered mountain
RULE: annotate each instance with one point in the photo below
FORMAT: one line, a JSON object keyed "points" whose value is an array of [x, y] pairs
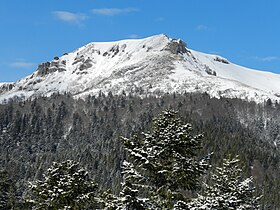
{"points": [[153, 65]]}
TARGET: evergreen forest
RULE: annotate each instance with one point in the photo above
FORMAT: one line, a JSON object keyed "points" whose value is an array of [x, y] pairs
{"points": [[104, 136]]}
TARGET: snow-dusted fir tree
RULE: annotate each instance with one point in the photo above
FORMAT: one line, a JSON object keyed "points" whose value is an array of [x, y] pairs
{"points": [[130, 196], [132, 184], [227, 190], [167, 158], [65, 186], [110, 201]]}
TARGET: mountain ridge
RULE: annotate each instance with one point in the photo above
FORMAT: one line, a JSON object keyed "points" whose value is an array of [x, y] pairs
{"points": [[154, 65]]}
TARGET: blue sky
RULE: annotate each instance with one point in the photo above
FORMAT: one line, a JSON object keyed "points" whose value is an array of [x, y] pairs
{"points": [[246, 32]]}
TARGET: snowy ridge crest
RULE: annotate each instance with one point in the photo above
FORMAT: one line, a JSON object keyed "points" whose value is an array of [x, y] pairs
{"points": [[154, 65]]}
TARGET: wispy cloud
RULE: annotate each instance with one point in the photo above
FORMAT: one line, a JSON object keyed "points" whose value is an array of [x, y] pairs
{"points": [[74, 18], [133, 36], [21, 64], [266, 58], [201, 28], [113, 11]]}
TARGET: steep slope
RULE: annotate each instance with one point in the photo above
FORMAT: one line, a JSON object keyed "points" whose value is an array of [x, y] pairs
{"points": [[154, 65], [6, 86]]}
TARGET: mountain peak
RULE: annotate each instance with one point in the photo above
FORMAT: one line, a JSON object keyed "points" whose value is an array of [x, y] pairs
{"points": [[157, 38], [173, 45], [153, 65]]}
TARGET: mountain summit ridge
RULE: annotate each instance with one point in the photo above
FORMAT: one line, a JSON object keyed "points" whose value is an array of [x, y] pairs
{"points": [[154, 65]]}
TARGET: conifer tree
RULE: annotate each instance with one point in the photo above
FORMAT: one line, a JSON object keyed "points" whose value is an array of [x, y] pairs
{"points": [[130, 188], [227, 190], [7, 188], [109, 201], [167, 158], [130, 196], [65, 186]]}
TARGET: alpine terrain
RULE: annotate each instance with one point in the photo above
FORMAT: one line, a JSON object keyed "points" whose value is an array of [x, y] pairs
{"points": [[154, 65], [140, 124]]}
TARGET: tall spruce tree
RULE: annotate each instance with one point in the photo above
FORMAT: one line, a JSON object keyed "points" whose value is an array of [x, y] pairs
{"points": [[167, 158], [65, 186], [227, 190], [132, 184]]}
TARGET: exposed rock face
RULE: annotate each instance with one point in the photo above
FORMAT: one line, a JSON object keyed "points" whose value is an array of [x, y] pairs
{"points": [[6, 87], [222, 60], [176, 47], [50, 67], [113, 51], [57, 65], [78, 59], [209, 71], [86, 64], [82, 64], [43, 68]]}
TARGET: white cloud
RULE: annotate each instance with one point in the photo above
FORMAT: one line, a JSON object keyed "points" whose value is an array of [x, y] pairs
{"points": [[267, 58], [21, 64], [70, 17], [113, 11], [201, 28], [133, 36]]}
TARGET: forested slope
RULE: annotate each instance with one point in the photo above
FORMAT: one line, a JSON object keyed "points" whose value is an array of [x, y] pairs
{"points": [[35, 133]]}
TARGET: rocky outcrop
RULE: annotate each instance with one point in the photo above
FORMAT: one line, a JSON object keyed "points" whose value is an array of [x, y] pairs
{"points": [[50, 67], [57, 65], [6, 87], [176, 46], [43, 68], [78, 59], [222, 60], [113, 51], [86, 64], [210, 71]]}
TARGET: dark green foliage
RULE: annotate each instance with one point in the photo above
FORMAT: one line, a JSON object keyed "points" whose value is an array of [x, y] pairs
{"points": [[130, 190], [130, 197], [227, 190], [109, 201], [31, 138], [167, 158], [7, 189], [65, 186]]}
